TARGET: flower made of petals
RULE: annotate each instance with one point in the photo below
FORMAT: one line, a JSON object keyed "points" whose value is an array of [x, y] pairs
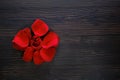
{"points": [[39, 46]]}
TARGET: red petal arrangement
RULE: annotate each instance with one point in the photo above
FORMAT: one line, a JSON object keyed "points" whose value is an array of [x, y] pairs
{"points": [[39, 46]]}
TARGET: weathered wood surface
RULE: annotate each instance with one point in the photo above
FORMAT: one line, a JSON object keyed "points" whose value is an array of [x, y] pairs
{"points": [[90, 39]]}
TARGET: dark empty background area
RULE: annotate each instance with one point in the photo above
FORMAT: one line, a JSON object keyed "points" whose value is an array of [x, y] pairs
{"points": [[90, 39]]}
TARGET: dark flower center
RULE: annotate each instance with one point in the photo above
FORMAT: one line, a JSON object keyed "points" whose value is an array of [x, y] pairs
{"points": [[36, 42]]}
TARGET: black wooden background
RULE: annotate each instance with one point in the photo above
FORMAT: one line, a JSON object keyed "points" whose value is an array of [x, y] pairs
{"points": [[90, 39]]}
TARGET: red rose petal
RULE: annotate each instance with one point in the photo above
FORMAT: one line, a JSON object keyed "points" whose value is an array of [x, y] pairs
{"points": [[50, 40], [39, 27], [21, 40], [28, 54], [37, 58], [28, 32], [16, 46], [48, 54]]}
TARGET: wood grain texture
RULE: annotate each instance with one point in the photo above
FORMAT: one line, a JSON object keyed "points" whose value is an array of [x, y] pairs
{"points": [[90, 39]]}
